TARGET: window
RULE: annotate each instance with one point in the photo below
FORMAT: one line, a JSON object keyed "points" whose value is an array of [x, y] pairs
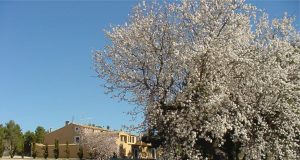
{"points": [[132, 139], [77, 139], [76, 129], [124, 139], [135, 153]]}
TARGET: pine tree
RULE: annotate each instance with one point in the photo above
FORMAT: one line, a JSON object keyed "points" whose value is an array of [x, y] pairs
{"points": [[40, 134], [14, 137]]}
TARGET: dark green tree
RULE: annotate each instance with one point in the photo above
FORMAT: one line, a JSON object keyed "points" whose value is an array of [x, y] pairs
{"points": [[2, 131], [80, 153], [46, 153], [14, 138], [1, 140], [29, 138], [21, 150], [34, 152], [56, 149], [40, 134], [67, 150], [1, 148]]}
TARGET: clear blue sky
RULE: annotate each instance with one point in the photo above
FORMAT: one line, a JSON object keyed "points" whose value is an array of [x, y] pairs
{"points": [[46, 74]]}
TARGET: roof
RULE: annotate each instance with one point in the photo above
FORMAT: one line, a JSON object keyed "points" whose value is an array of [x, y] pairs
{"points": [[91, 127], [94, 128]]}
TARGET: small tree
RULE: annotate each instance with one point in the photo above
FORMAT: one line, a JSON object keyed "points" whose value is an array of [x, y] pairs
{"points": [[22, 151], [67, 150], [1, 140], [56, 149], [12, 150], [34, 152], [46, 153], [80, 153], [1, 148], [101, 145]]}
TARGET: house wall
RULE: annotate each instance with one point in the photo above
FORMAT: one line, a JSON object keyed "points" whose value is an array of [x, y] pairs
{"points": [[63, 135], [67, 133], [126, 145]]}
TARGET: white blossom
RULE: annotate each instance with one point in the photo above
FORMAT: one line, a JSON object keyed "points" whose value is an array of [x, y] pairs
{"points": [[100, 145], [209, 74]]}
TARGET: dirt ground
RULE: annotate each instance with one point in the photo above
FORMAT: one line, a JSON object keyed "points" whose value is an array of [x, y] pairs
{"points": [[28, 158], [15, 157]]}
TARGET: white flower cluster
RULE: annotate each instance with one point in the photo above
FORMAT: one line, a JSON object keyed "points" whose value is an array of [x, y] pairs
{"points": [[214, 78]]}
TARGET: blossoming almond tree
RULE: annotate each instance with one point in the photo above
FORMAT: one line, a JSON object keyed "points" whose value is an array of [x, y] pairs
{"points": [[213, 79], [100, 145]]}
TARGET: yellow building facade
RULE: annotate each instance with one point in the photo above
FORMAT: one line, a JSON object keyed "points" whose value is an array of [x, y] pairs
{"points": [[129, 145]]}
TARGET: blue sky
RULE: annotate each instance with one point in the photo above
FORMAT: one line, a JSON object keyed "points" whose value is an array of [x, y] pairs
{"points": [[46, 74]]}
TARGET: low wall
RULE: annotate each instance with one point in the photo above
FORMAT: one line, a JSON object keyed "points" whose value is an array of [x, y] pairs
{"points": [[74, 148]]}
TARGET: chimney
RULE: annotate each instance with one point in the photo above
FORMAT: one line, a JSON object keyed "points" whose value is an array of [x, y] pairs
{"points": [[67, 123]]}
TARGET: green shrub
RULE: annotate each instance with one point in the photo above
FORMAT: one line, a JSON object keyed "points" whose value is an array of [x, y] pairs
{"points": [[46, 153], [56, 149], [34, 152], [1, 148]]}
